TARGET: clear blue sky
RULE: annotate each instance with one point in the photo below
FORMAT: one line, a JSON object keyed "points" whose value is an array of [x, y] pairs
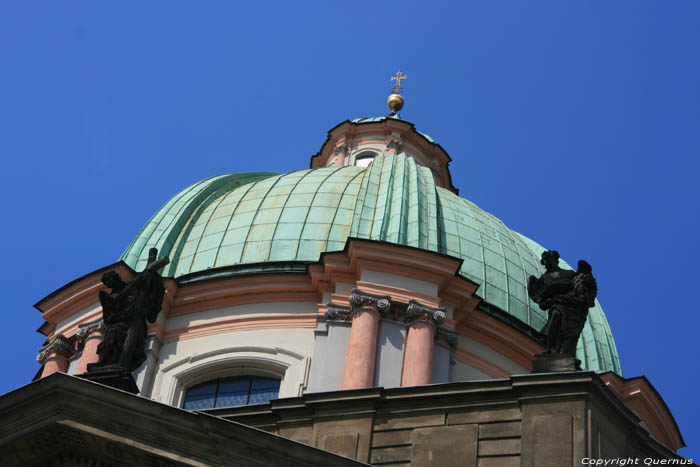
{"points": [[576, 123]]}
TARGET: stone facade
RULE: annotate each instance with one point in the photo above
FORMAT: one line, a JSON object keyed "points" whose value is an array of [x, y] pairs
{"points": [[544, 420]]}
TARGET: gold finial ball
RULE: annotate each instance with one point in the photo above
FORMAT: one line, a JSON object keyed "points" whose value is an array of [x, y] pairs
{"points": [[395, 102]]}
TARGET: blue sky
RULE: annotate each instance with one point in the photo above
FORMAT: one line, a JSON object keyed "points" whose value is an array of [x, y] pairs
{"points": [[576, 123]]}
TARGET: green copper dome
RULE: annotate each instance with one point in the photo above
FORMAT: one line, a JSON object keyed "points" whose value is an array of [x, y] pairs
{"points": [[263, 218]]}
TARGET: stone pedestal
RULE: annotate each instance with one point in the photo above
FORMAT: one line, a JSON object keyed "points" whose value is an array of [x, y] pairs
{"points": [[554, 362], [115, 377]]}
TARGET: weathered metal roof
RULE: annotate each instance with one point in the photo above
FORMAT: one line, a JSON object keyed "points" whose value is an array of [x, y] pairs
{"points": [[262, 218]]}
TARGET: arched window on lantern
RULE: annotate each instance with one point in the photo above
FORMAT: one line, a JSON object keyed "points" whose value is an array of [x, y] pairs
{"points": [[364, 159]]}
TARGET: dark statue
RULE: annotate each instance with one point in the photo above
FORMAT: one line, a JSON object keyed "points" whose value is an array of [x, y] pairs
{"points": [[126, 310], [566, 295]]}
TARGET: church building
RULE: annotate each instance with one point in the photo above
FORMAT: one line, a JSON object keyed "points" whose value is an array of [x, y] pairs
{"points": [[358, 312]]}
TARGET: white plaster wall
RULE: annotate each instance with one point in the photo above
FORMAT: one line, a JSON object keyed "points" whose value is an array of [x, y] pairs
{"points": [[463, 372], [442, 364], [491, 355], [390, 348], [250, 310], [328, 363], [344, 288], [73, 363], [75, 317], [283, 353], [394, 280]]}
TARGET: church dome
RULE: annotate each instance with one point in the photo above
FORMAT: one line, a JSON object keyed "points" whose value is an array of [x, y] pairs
{"points": [[263, 222]]}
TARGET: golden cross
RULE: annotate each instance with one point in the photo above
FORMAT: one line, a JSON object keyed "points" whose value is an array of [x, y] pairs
{"points": [[398, 78]]}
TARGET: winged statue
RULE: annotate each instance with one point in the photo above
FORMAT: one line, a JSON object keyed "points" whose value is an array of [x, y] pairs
{"points": [[566, 295]]}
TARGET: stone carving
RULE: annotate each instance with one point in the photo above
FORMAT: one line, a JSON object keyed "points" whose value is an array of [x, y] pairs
{"points": [[567, 296], [358, 298], [335, 312], [342, 149], [126, 311], [85, 329], [416, 311], [59, 345]]}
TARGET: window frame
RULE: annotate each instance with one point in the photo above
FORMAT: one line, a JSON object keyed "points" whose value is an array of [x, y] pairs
{"points": [[363, 156], [250, 377]]}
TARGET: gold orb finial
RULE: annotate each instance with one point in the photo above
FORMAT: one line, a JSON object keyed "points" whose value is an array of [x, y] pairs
{"points": [[395, 101]]}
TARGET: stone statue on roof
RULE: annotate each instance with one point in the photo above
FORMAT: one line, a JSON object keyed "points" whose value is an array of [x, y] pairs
{"points": [[127, 309], [566, 295]]}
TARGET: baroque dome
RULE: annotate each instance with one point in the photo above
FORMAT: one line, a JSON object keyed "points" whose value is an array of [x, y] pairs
{"points": [[264, 222]]}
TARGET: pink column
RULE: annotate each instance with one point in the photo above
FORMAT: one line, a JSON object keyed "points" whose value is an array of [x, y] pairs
{"points": [[420, 343], [367, 311], [54, 356], [92, 340], [91, 334], [55, 362], [419, 354], [362, 350]]}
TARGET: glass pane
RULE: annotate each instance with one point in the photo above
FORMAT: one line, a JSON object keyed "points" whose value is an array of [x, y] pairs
{"points": [[200, 397], [233, 392], [263, 390], [364, 161]]}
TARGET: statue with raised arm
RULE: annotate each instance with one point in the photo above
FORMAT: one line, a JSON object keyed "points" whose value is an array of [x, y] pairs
{"points": [[127, 309], [566, 295]]}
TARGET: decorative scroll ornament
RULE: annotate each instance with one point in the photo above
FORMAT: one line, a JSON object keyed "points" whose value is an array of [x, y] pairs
{"points": [[416, 311], [335, 312], [59, 345], [359, 299], [451, 338], [86, 329]]}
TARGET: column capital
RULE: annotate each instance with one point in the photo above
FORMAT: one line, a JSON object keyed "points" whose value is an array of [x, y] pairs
{"points": [[360, 299], [419, 312], [395, 145], [85, 329], [335, 312], [60, 345], [342, 149]]}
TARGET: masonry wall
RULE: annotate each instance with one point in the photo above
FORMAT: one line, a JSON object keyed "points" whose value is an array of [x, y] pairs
{"points": [[551, 420]]}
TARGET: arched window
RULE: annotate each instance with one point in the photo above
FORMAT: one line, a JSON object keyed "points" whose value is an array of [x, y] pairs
{"points": [[231, 392], [365, 159]]}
